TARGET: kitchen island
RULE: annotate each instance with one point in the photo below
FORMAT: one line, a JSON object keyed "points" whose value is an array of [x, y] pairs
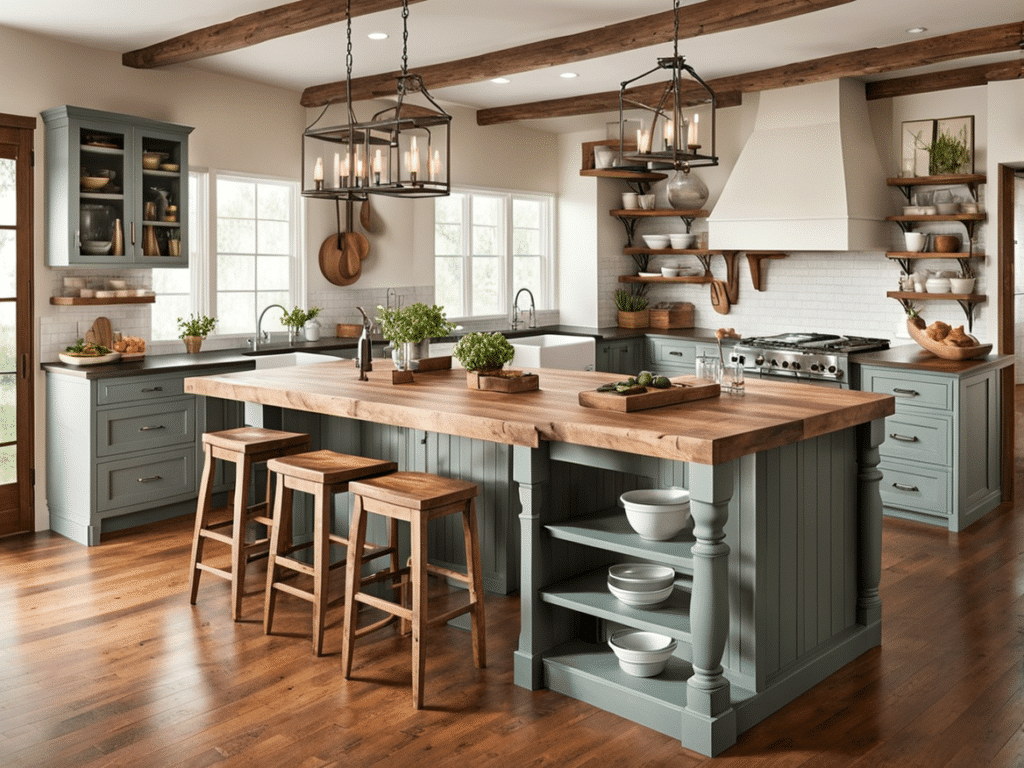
{"points": [[778, 576]]}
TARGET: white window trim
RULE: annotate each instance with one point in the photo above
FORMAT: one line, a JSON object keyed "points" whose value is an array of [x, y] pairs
{"points": [[506, 290]]}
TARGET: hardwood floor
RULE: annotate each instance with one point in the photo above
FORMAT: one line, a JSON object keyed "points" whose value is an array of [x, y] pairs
{"points": [[103, 662]]}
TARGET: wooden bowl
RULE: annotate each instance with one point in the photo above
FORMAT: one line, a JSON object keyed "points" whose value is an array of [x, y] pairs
{"points": [[946, 243], [945, 351], [94, 182]]}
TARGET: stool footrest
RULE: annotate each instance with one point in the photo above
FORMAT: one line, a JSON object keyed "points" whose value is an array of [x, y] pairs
{"points": [[360, 631], [215, 571], [208, 534], [384, 576], [447, 616], [448, 573], [384, 605], [294, 591], [294, 565]]}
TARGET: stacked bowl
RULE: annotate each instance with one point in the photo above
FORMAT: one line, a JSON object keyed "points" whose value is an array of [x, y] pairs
{"points": [[657, 514], [642, 584], [641, 654]]}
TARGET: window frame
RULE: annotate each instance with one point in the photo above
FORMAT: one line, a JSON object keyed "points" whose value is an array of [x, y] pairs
{"points": [[506, 235]]}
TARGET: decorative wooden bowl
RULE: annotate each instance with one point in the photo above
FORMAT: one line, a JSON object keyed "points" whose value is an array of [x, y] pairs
{"points": [[916, 328]]}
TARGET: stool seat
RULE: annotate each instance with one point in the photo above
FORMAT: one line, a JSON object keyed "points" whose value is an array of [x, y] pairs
{"points": [[321, 474], [245, 447], [418, 498]]}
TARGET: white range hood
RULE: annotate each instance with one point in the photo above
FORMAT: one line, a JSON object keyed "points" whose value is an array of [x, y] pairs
{"points": [[808, 178]]}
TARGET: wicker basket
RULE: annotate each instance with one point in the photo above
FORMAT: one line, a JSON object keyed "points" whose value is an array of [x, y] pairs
{"points": [[641, 319]]}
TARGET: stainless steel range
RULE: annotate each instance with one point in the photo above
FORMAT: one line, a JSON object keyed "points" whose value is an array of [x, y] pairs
{"points": [[816, 358]]}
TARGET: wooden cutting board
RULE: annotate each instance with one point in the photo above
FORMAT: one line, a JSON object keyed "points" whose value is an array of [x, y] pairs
{"points": [[101, 332], [652, 398]]}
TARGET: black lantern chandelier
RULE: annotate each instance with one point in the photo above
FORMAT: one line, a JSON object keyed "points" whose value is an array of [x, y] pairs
{"points": [[403, 151], [665, 136]]}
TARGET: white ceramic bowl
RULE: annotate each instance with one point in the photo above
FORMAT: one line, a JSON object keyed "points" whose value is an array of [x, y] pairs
{"points": [[961, 284], [604, 158], [650, 274], [656, 241], [947, 209], [681, 241], [657, 514], [96, 247], [645, 599], [937, 285], [927, 210], [641, 577], [641, 654], [117, 284], [669, 272]]}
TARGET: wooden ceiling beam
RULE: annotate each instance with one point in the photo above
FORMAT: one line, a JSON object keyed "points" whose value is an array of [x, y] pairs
{"points": [[958, 45], [964, 77], [702, 18], [251, 29]]}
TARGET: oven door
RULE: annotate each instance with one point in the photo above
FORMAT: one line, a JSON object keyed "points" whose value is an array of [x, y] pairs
{"points": [[789, 378]]}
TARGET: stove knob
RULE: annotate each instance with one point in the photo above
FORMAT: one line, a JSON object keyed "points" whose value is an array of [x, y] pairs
{"points": [[785, 363], [759, 360], [796, 366], [774, 362], [831, 369], [814, 366]]}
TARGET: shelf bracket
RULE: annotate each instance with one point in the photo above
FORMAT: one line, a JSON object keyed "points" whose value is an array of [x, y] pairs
{"points": [[688, 220], [754, 261], [905, 265], [732, 275], [968, 307], [905, 189], [629, 223]]}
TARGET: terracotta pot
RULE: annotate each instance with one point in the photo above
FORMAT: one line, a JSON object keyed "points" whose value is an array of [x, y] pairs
{"points": [[193, 343]]}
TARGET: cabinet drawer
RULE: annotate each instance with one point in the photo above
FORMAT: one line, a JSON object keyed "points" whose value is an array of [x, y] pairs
{"points": [[917, 489], [672, 352], [150, 480], [126, 389], [912, 391], [143, 427], [914, 437]]}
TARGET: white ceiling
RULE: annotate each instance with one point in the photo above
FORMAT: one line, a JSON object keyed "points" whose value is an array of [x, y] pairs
{"points": [[443, 30]]}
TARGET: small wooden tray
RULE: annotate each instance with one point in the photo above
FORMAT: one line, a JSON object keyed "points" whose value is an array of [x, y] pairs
{"points": [[349, 330], [652, 398], [509, 384]]}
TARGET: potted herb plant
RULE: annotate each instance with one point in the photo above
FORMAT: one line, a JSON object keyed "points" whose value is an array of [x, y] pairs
{"points": [[409, 329], [301, 318], [632, 307], [947, 154], [484, 355], [193, 329]]}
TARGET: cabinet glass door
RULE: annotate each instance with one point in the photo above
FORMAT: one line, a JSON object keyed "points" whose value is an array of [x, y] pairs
{"points": [[102, 230], [163, 170]]}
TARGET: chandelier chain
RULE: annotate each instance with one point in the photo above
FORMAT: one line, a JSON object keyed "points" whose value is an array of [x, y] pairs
{"points": [[405, 37], [675, 34], [348, 59]]}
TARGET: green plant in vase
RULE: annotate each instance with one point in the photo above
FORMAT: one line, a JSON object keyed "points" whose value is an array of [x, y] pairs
{"points": [[479, 351], [947, 154], [298, 318], [193, 329], [412, 326]]}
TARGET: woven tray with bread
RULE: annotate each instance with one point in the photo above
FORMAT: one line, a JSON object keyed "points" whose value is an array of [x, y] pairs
{"points": [[945, 341], [131, 348]]}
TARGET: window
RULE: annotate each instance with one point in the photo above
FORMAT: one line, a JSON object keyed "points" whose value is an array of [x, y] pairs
{"points": [[248, 261], [488, 244]]}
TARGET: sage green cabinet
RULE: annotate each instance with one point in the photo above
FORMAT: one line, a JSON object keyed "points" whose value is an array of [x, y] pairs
{"points": [[624, 356], [146, 162], [675, 357], [126, 450], [941, 458]]}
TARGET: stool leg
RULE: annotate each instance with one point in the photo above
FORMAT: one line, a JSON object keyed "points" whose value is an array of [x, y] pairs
{"points": [[418, 540], [202, 511], [476, 583], [243, 471], [353, 574], [321, 564], [280, 539]]}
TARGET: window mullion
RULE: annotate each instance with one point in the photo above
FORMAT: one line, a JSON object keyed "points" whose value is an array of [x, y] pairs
{"points": [[467, 251]]}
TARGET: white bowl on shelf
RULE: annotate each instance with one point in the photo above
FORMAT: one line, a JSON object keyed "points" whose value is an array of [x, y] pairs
{"points": [[641, 654], [669, 272], [937, 285], [641, 577], [947, 209], [650, 274], [681, 241], [961, 284], [656, 241], [641, 599], [657, 514]]}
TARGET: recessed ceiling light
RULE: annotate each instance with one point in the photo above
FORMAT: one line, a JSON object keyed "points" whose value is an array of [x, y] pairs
{"points": [[378, 35], [500, 80], [568, 75], [917, 30]]}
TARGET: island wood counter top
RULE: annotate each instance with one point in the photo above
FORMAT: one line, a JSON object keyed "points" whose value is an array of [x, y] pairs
{"points": [[710, 431]]}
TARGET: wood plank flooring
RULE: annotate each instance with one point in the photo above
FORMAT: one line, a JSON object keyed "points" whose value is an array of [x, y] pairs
{"points": [[104, 663]]}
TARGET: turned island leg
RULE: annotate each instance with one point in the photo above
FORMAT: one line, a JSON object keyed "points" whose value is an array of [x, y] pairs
{"points": [[708, 694], [869, 522]]}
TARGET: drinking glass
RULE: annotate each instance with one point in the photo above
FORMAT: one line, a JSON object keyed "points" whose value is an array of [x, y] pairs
{"points": [[733, 378], [709, 368]]}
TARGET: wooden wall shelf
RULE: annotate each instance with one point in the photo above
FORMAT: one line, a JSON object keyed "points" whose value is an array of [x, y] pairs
{"points": [[969, 180], [615, 173], [78, 301], [967, 301], [705, 278]]}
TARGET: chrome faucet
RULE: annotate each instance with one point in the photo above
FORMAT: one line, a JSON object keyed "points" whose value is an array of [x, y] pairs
{"points": [[260, 333], [514, 320], [364, 351]]}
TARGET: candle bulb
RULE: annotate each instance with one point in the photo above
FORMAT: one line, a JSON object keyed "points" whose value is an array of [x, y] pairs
{"points": [[344, 171], [414, 160], [337, 169], [669, 134], [692, 140], [359, 172], [435, 165], [318, 173], [639, 139], [378, 167]]}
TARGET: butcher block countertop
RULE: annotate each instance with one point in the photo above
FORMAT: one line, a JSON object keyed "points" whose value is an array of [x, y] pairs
{"points": [[711, 431]]}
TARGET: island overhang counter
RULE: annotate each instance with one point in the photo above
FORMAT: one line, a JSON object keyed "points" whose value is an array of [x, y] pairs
{"points": [[778, 575]]}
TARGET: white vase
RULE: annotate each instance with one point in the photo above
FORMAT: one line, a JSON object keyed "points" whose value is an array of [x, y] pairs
{"points": [[312, 330]]}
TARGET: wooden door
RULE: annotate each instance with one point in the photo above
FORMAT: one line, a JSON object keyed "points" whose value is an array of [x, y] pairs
{"points": [[16, 362]]}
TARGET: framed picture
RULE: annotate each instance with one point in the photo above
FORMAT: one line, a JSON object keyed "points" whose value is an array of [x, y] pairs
{"points": [[917, 136], [959, 128]]}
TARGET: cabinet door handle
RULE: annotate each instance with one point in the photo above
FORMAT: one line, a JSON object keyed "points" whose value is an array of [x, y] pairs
{"points": [[902, 487], [133, 233], [903, 438], [906, 392], [153, 389], [150, 429], [675, 352], [152, 479]]}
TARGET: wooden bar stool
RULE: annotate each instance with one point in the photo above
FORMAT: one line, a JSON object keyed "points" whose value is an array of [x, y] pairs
{"points": [[418, 498], [245, 447], [320, 474]]}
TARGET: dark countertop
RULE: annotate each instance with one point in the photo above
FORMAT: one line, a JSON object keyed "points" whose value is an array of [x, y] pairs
{"points": [[241, 357], [913, 357]]}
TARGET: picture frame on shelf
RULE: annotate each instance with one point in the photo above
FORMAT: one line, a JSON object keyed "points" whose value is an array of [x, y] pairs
{"points": [[960, 127], [916, 136]]}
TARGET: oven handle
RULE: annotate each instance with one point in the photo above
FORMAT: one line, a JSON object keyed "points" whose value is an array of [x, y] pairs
{"points": [[906, 392], [903, 438], [902, 487]]}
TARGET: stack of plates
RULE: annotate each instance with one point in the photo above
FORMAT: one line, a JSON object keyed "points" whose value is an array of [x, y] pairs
{"points": [[644, 584]]}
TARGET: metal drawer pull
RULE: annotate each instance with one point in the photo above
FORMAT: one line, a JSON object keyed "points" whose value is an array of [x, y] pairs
{"points": [[902, 487], [903, 438], [161, 426], [153, 389], [675, 352], [152, 479], [906, 392]]}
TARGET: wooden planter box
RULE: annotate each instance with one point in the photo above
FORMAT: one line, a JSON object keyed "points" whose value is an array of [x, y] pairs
{"points": [[641, 319], [674, 317], [506, 381]]}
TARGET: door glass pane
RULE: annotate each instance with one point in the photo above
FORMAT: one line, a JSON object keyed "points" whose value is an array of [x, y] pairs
{"points": [[8, 199], [8, 408], [8, 464], [8, 338], [8, 262]]}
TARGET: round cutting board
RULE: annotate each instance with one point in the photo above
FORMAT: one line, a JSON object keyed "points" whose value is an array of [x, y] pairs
{"points": [[331, 260]]}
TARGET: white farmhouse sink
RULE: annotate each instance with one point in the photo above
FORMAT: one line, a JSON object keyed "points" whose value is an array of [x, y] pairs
{"points": [[288, 358], [550, 350]]}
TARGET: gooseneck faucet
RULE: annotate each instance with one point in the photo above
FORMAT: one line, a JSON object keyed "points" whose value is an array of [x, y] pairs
{"points": [[515, 310], [260, 333], [364, 352]]}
